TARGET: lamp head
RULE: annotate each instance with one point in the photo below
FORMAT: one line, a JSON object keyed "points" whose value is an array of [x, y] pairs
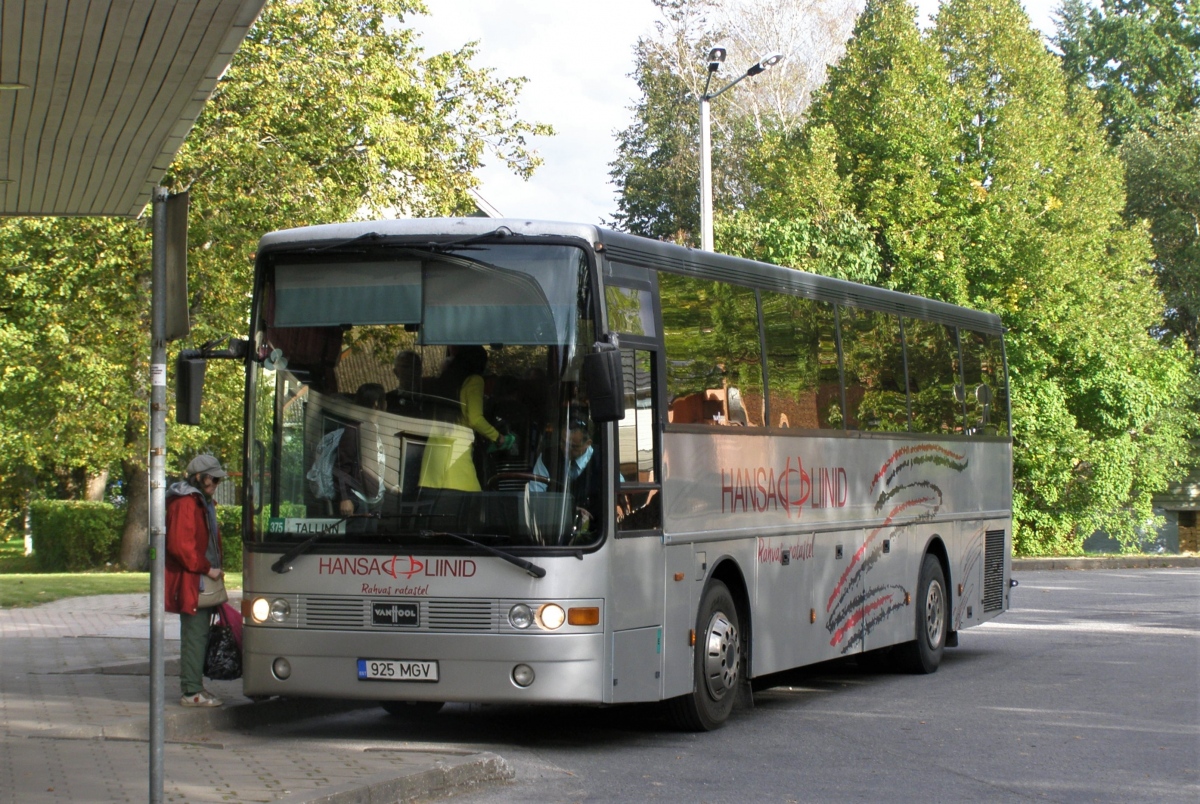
{"points": [[765, 64], [715, 57]]}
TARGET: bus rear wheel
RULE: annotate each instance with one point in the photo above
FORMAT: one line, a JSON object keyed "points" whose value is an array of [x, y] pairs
{"points": [[717, 667], [412, 709], [924, 654]]}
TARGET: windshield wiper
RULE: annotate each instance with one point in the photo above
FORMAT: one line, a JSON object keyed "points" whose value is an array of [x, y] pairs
{"points": [[531, 568], [284, 563]]}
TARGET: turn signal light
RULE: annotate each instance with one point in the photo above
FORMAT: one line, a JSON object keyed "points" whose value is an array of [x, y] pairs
{"points": [[588, 615]]}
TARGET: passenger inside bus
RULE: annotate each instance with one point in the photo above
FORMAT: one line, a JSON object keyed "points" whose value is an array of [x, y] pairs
{"points": [[449, 460]]}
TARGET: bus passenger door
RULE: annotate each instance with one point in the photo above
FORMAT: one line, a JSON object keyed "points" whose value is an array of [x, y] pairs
{"points": [[637, 573]]}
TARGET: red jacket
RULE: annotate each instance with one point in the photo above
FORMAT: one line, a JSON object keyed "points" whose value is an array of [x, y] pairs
{"points": [[187, 541]]}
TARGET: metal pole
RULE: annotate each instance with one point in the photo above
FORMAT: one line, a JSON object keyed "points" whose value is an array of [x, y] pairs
{"points": [[706, 202], [158, 491]]}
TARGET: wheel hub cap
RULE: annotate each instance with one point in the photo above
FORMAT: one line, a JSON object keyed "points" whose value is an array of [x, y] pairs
{"points": [[935, 614], [722, 647]]}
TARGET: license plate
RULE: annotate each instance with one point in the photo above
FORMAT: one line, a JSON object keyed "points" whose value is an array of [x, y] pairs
{"points": [[395, 614], [397, 670]]}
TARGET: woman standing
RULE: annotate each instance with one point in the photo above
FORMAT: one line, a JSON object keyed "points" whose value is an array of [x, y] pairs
{"points": [[448, 462], [193, 559]]}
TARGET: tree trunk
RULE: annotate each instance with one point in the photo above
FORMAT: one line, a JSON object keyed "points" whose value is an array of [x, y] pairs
{"points": [[96, 484], [135, 541]]}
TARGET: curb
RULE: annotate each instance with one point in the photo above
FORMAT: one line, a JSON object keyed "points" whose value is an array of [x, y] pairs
{"points": [[183, 725], [1106, 562], [453, 773]]}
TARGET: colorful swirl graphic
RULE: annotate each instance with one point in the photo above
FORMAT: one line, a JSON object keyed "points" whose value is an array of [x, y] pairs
{"points": [[853, 603]]}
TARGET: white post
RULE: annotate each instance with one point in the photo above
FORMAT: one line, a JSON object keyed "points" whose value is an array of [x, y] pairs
{"points": [[28, 526], [706, 201], [158, 482]]}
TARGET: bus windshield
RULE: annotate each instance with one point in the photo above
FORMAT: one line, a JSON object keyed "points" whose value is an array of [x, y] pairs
{"points": [[425, 398]]}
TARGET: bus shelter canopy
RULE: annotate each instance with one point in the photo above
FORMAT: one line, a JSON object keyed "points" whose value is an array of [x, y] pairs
{"points": [[97, 96]]}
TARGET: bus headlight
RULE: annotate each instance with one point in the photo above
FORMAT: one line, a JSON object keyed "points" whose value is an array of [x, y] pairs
{"points": [[520, 616], [280, 610], [260, 610], [551, 616]]}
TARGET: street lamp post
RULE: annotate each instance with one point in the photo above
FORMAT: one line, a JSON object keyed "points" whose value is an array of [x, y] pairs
{"points": [[716, 57]]}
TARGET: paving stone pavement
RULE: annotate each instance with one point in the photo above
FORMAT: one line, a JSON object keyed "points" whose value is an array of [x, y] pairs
{"points": [[74, 723]]}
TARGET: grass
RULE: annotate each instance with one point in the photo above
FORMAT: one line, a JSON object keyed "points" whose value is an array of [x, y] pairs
{"points": [[21, 585]]}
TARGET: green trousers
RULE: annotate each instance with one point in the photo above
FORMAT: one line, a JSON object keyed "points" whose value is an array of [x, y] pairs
{"points": [[193, 641]]}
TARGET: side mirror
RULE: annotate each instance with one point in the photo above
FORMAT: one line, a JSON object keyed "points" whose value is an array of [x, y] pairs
{"points": [[189, 388], [189, 376], [605, 389]]}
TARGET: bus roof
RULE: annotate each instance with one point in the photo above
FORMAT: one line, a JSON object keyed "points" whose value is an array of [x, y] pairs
{"points": [[633, 250]]}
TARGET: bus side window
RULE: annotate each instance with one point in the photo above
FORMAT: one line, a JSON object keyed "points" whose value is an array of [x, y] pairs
{"points": [[714, 359], [933, 377], [639, 502], [804, 389], [873, 360], [983, 379]]}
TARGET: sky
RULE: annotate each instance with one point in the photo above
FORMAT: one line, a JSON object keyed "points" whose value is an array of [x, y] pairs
{"points": [[577, 56]]}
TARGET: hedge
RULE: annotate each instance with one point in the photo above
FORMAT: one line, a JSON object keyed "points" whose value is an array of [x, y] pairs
{"points": [[75, 536], [72, 536]]}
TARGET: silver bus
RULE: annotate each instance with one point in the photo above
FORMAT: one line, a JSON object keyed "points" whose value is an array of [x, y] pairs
{"points": [[664, 472]]}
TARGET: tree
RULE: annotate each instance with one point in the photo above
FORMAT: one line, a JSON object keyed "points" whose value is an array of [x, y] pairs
{"points": [[986, 180], [329, 111], [1163, 175], [1141, 57], [657, 162]]}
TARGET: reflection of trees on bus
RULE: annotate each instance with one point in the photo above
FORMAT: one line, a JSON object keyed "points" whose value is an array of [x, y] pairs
{"points": [[873, 364], [714, 369], [827, 366], [802, 362]]}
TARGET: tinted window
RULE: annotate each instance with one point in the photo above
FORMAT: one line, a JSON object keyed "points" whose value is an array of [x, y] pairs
{"points": [[933, 377], [802, 362], [873, 365], [629, 310], [638, 502], [986, 393], [714, 366]]}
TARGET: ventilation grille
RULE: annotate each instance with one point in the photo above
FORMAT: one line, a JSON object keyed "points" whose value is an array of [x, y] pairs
{"points": [[436, 615], [993, 571], [334, 612], [460, 615]]}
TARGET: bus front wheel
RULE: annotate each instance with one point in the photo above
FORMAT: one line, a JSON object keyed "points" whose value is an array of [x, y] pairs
{"points": [[924, 654], [717, 664]]}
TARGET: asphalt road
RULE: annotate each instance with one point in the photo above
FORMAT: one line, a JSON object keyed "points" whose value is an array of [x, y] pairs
{"points": [[1087, 690]]}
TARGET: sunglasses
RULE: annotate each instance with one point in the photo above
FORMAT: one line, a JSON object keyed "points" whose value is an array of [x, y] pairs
{"points": [[216, 481]]}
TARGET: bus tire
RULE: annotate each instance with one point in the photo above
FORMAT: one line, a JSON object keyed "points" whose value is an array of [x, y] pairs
{"points": [[717, 667], [411, 709], [924, 654]]}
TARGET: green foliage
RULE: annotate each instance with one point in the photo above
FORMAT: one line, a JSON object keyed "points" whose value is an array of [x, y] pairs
{"points": [[329, 111], [838, 246], [1163, 174], [1140, 57], [229, 524], [73, 536], [12, 556], [657, 159]]}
